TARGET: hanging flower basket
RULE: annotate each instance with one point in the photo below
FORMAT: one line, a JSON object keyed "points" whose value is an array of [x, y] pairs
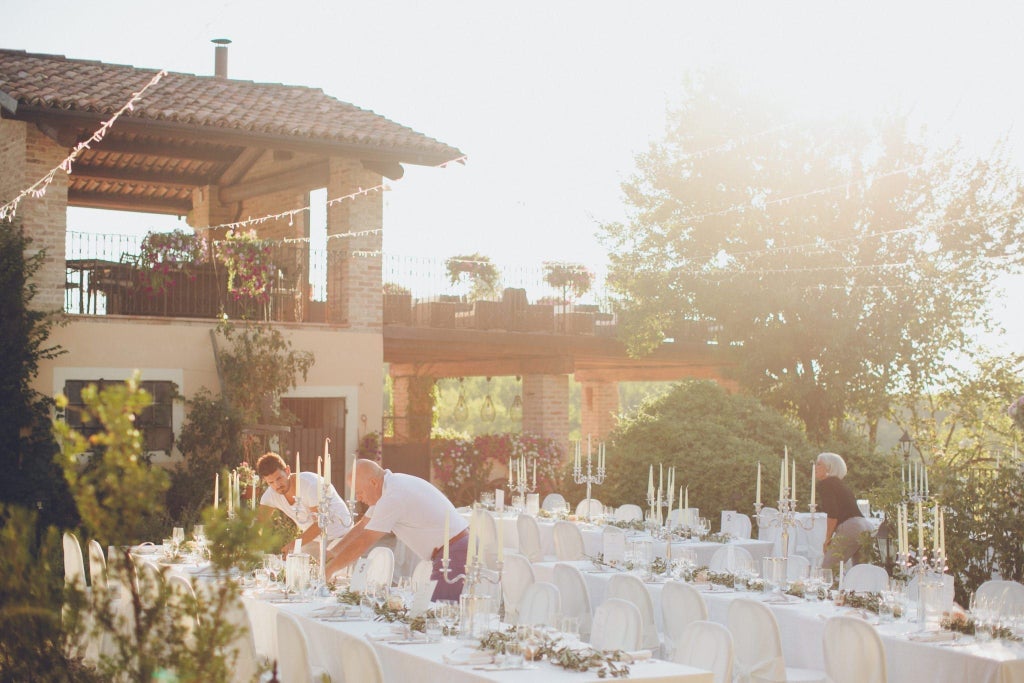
{"points": [[572, 279], [164, 253], [248, 260]]}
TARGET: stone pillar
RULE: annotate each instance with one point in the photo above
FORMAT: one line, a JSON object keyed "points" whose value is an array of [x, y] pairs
{"points": [[546, 407], [599, 408], [413, 408], [354, 273], [26, 155], [207, 209]]}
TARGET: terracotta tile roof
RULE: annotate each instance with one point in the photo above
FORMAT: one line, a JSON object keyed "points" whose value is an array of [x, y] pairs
{"points": [[56, 82]]}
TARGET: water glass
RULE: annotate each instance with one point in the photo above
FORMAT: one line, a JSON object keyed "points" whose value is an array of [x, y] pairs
{"points": [[178, 534], [570, 628], [434, 630], [513, 655]]}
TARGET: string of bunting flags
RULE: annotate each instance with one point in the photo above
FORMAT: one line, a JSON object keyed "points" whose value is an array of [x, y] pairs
{"points": [[38, 188]]}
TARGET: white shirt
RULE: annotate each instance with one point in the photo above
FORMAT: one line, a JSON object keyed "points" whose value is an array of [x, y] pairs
{"points": [[308, 485], [414, 510]]}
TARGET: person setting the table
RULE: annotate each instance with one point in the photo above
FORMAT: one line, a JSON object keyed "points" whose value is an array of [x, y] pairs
{"points": [[282, 486], [845, 522], [417, 513]]}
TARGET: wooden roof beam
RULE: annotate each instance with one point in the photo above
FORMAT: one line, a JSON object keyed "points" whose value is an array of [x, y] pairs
{"points": [[135, 177], [304, 178], [111, 143], [93, 200], [498, 367]]}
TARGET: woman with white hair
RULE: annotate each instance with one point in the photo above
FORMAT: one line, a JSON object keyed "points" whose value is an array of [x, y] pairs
{"points": [[843, 538]]}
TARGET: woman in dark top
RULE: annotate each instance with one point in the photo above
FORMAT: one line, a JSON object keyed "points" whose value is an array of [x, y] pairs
{"points": [[845, 523]]}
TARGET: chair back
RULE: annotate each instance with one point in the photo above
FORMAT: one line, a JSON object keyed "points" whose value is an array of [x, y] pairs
{"points": [[97, 565], [629, 513], [487, 535], [630, 588], [359, 661], [151, 581], [540, 604], [706, 645], [617, 626], [74, 563], [242, 659], [589, 507], [380, 567], [421, 572], [948, 591], [853, 651], [574, 595], [766, 530], [681, 605], [529, 537], [797, 567], [517, 576], [865, 578], [756, 641], [736, 524], [864, 505], [568, 542], [731, 558], [293, 664], [182, 604], [1005, 597], [553, 502]]}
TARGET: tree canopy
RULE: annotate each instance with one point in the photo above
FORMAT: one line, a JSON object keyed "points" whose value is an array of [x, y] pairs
{"points": [[839, 263]]}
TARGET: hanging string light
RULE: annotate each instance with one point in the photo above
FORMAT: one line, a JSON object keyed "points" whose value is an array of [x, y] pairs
{"points": [[515, 411], [461, 413], [487, 412]]}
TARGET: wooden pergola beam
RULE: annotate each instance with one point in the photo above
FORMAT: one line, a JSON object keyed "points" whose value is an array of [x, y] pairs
{"points": [[304, 178]]}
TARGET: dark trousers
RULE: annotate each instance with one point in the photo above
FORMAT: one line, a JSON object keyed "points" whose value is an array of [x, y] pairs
{"points": [[457, 565]]}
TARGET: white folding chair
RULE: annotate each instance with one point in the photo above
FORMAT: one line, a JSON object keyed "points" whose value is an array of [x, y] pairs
{"points": [[617, 626], [568, 542], [735, 524], [865, 578], [421, 573], [74, 563], [574, 595], [243, 662], [293, 665], [629, 513], [487, 533], [380, 567], [517, 576], [758, 645], [853, 651], [766, 529], [630, 588], [97, 566], [182, 605], [540, 604], [797, 567], [359, 661], [1005, 597], [613, 536], [864, 505], [553, 502], [589, 507], [529, 538], [151, 581], [681, 604], [706, 645], [731, 558]]}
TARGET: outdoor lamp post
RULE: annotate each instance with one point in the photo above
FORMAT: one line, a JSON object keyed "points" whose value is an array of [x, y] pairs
{"points": [[905, 443]]}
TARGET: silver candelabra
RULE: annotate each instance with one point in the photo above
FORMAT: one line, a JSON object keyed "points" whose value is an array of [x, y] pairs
{"points": [[590, 478], [786, 519], [323, 517], [472, 577]]}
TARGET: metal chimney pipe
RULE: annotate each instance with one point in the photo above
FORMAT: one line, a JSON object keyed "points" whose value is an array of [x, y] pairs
{"points": [[220, 58]]}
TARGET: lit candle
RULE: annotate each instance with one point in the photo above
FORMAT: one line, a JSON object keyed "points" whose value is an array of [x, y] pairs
{"points": [[355, 460], [681, 503], [782, 481], [661, 479], [842, 568], [522, 470], [320, 479], [792, 482], [447, 539], [785, 471], [327, 471], [926, 481], [510, 482], [942, 532], [686, 498], [758, 495], [935, 527], [216, 490], [650, 483], [471, 552], [671, 496], [298, 469], [535, 474], [231, 493]]}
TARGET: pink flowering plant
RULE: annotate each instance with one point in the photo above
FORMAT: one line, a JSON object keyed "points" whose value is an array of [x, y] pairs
{"points": [[572, 279], [248, 260], [162, 253], [463, 468]]}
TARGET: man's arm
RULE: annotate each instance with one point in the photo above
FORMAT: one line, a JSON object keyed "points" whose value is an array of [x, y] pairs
{"points": [[352, 546]]}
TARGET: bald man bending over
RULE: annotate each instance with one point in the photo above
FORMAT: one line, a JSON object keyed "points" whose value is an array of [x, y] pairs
{"points": [[415, 511]]}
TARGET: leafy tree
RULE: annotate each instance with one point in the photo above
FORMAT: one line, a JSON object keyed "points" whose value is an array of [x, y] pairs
{"points": [[27, 448], [838, 265]]}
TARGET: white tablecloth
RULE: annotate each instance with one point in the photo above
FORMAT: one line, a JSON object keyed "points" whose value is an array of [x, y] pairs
{"points": [[423, 662]]}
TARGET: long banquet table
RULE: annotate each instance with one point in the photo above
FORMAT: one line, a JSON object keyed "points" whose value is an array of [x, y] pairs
{"points": [[801, 625], [425, 661]]}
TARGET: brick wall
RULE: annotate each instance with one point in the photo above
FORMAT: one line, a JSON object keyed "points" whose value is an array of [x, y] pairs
{"points": [[26, 155], [599, 408], [546, 407], [356, 297]]}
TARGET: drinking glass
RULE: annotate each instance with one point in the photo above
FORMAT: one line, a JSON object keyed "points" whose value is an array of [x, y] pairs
{"points": [[178, 534], [513, 655], [434, 630], [570, 628]]}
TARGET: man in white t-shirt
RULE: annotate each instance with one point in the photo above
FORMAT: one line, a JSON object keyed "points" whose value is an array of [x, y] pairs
{"points": [[415, 511], [283, 488]]}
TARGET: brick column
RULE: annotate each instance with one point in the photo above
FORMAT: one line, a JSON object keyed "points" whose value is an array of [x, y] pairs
{"points": [[413, 408], [26, 155], [599, 408], [354, 277], [546, 407]]}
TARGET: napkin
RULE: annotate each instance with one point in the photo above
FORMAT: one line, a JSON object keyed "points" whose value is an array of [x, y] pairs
{"points": [[146, 548], [468, 655], [933, 637], [392, 632], [637, 656], [335, 611]]}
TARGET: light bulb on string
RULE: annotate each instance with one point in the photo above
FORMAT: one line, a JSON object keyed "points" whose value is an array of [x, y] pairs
{"points": [[515, 411], [461, 413], [487, 412]]}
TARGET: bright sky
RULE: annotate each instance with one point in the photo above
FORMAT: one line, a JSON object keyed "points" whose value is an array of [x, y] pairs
{"points": [[552, 99]]}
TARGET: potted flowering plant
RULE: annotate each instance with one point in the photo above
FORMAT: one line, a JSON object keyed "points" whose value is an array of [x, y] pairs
{"points": [[570, 278], [248, 260], [485, 282], [164, 253]]}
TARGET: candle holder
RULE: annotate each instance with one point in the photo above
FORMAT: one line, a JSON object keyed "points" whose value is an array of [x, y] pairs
{"points": [[591, 478], [519, 489], [324, 517], [786, 519], [472, 578]]}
